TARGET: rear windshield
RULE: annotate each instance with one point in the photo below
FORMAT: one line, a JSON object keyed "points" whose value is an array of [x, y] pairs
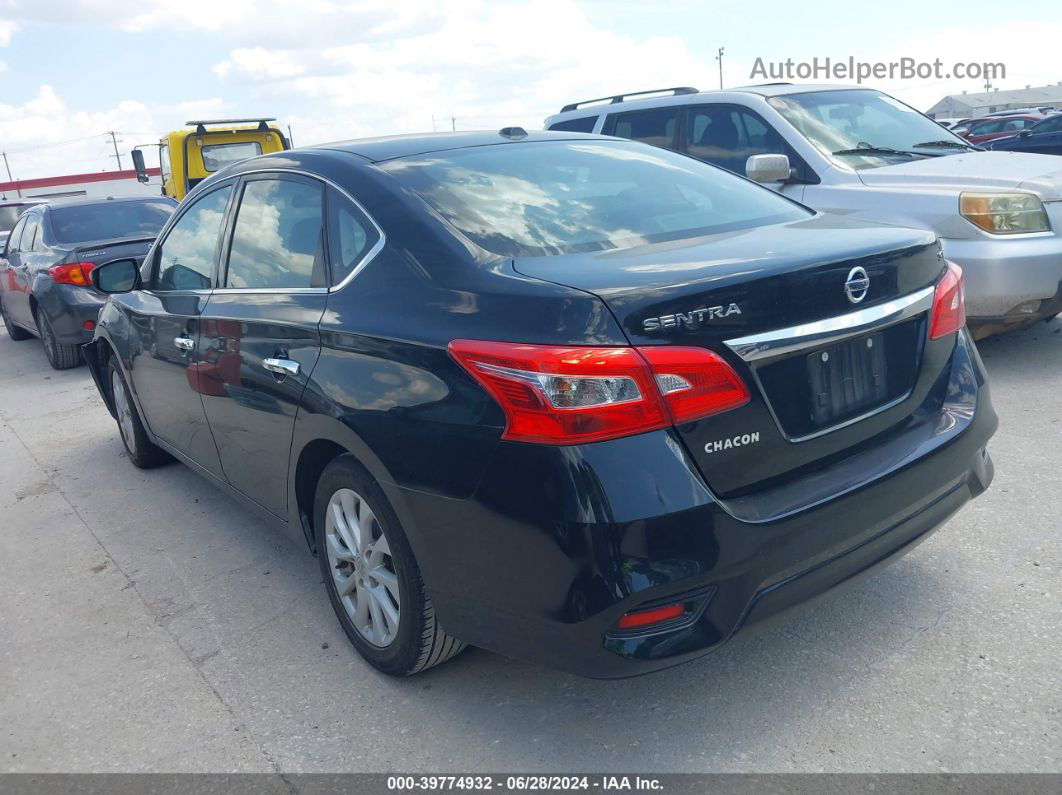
{"points": [[109, 220], [557, 197], [217, 156]]}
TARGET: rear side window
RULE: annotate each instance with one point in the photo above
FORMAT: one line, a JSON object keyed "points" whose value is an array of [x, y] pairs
{"points": [[112, 220], [186, 256], [657, 126], [352, 236], [278, 241], [583, 125]]}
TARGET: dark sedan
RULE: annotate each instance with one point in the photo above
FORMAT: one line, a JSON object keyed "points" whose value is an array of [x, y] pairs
{"points": [[45, 287], [571, 398], [1044, 138]]}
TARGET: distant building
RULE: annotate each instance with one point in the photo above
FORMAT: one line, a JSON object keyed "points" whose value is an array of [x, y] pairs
{"points": [[964, 105], [101, 183]]}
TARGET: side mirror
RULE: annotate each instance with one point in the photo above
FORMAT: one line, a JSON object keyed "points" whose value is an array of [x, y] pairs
{"points": [[138, 164], [768, 168], [1025, 133], [116, 276]]}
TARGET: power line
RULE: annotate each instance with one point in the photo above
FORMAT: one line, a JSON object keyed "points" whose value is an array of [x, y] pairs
{"points": [[51, 144]]}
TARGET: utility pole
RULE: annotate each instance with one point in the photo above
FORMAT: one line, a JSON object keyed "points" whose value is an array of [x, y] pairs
{"points": [[453, 123], [719, 57], [291, 138], [9, 177], [114, 141]]}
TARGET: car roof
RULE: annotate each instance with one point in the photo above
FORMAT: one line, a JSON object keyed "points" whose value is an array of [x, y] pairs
{"points": [[84, 201], [688, 96], [395, 146]]}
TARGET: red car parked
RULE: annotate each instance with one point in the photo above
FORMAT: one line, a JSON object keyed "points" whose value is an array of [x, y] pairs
{"points": [[989, 129]]}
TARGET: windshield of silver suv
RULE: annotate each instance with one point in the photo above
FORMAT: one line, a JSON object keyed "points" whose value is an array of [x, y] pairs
{"points": [[862, 128], [557, 197]]}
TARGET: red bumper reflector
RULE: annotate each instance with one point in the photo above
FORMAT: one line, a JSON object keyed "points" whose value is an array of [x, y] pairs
{"points": [[638, 619], [88, 325]]}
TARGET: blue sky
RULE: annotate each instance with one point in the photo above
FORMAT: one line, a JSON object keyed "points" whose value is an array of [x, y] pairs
{"points": [[72, 69]]}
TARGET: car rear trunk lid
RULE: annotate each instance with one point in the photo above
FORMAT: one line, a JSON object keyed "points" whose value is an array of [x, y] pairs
{"points": [[831, 361]]}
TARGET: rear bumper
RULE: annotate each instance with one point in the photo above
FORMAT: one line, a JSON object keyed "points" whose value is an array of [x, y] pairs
{"points": [[558, 543], [1010, 280], [68, 309]]}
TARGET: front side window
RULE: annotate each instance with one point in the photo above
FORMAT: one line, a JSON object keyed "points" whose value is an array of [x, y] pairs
{"points": [[556, 197], [277, 241], [186, 255], [656, 127], [1048, 125], [217, 156], [164, 162], [352, 236], [111, 220], [863, 128]]}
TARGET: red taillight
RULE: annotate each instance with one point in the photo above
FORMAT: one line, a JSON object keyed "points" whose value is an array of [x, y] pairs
{"points": [[695, 382], [555, 395], [647, 618], [570, 395], [76, 274], [949, 304]]}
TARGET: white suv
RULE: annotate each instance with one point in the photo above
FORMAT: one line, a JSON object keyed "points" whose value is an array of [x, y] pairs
{"points": [[858, 152]]}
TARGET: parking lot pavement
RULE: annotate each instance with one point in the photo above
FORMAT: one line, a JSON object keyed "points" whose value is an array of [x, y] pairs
{"points": [[149, 623]]}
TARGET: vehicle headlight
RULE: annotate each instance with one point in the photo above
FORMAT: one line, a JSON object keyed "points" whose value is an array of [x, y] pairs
{"points": [[1004, 213]]}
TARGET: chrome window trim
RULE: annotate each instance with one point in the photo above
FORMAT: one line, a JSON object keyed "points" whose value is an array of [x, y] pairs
{"points": [[792, 339], [368, 257]]}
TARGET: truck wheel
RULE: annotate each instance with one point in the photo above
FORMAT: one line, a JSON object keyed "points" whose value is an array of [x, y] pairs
{"points": [[144, 453], [371, 576], [60, 356], [17, 333]]}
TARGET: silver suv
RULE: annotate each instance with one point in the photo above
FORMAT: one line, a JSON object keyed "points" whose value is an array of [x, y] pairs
{"points": [[861, 153]]}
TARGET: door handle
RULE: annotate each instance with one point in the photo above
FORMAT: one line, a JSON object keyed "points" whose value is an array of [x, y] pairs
{"points": [[281, 366], [184, 343]]}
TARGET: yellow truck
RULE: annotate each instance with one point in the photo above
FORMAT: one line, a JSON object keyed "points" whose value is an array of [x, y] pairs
{"points": [[189, 156]]}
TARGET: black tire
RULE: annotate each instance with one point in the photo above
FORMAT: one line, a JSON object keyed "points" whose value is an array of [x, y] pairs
{"points": [[60, 356], [419, 642], [144, 453], [17, 333]]}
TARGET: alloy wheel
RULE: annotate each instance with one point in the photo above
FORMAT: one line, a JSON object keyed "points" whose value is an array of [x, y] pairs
{"points": [[363, 570], [46, 336], [123, 410]]}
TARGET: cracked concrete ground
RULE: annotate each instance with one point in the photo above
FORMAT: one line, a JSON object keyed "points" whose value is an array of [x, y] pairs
{"points": [[147, 623]]}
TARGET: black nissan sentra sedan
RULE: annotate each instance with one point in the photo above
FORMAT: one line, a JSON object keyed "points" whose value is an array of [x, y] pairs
{"points": [[574, 399]]}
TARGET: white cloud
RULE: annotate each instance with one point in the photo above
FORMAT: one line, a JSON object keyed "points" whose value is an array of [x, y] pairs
{"points": [[258, 63], [486, 64], [45, 136]]}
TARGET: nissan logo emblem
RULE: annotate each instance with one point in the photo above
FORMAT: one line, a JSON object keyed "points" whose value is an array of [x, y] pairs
{"points": [[856, 285]]}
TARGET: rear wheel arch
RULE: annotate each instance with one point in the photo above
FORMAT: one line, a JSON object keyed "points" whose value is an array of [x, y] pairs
{"points": [[314, 457]]}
